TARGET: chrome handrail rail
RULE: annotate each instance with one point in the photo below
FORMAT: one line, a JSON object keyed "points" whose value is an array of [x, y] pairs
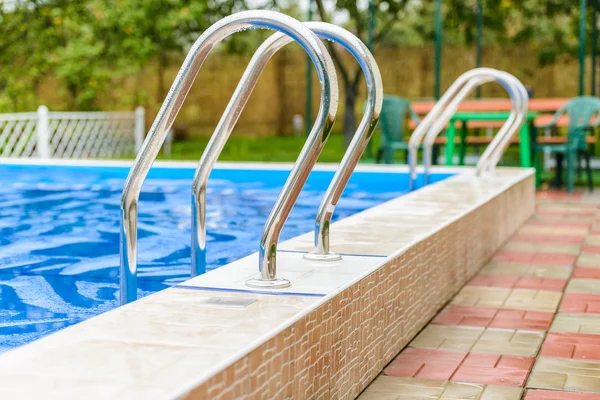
{"points": [[513, 122], [351, 158], [359, 142], [174, 100], [457, 92], [494, 151], [422, 128]]}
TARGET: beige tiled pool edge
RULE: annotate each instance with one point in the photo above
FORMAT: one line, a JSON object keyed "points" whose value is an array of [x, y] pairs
{"points": [[170, 345]]}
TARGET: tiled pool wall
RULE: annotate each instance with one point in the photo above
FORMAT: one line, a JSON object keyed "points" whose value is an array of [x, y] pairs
{"points": [[339, 348], [415, 251]]}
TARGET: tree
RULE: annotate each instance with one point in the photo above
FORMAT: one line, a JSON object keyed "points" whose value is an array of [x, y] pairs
{"points": [[87, 43], [387, 14]]}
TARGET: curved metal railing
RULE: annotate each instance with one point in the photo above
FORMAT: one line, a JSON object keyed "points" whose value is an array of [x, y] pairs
{"points": [[174, 100], [441, 113], [238, 101], [494, 151], [359, 141], [512, 124]]}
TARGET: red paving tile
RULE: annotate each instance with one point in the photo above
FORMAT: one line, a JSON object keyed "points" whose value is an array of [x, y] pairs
{"points": [[494, 318], [557, 395], [591, 249], [425, 363], [572, 345], [518, 319], [519, 282], [464, 315], [494, 369], [581, 303], [533, 238], [491, 369], [587, 273], [535, 258]]}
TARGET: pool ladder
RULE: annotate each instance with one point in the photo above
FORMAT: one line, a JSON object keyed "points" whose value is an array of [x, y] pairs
{"points": [[288, 28], [439, 116]]}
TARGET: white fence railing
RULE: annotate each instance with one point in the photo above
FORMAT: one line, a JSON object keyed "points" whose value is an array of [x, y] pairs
{"points": [[47, 134]]}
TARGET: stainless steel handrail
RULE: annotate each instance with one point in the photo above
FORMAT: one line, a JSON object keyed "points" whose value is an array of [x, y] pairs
{"points": [[174, 100], [513, 122], [351, 158], [359, 141], [494, 151], [464, 85], [421, 129]]}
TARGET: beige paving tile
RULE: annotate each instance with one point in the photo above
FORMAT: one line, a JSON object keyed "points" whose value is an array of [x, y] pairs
{"points": [[556, 248], [592, 240], [589, 260], [447, 337], [537, 300], [479, 296], [565, 374], [508, 341], [588, 286], [520, 299], [541, 271], [393, 388], [545, 230], [576, 323]]}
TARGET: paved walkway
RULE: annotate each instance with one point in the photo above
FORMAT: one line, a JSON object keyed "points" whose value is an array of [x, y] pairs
{"points": [[526, 327]]}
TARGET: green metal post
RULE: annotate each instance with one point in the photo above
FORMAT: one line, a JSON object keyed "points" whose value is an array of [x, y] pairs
{"points": [[594, 46], [309, 68], [582, 30], [371, 34], [478, 41], [438, 47]]}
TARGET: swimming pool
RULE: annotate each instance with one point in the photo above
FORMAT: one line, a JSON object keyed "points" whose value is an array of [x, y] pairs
{"points": [[59, 231]]}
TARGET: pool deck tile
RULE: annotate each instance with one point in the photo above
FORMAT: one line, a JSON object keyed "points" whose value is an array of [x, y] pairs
{"points": [[587, 286], [536, 394], [547, 239], [576, 323], [586, 273], [519, 282], [518, 299], [572, 345], [536, 258], [592, 240], [478, 339], [532, 247], [461, 367], [591, 260], [530, 320], [494, 318], [580, 303], [394, 388], [524, 269], [305, 277], [591, 249], [565, 374]]}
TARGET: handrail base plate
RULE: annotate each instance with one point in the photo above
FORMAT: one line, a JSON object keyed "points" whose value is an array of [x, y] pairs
{"points": [[277, 283], [328, 257]]}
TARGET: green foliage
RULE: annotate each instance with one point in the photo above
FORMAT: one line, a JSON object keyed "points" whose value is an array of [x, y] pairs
{"points": [[88, 43]]}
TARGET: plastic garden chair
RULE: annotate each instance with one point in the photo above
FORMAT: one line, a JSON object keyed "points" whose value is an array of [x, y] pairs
{"points": [[392, 123], [580, 111]]}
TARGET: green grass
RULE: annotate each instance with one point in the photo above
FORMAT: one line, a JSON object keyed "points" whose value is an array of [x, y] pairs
{"points": [[263, 148], [287, 149]]}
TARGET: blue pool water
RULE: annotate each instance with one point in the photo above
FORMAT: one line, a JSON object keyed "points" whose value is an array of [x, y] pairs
{"points": [[59, 233]]}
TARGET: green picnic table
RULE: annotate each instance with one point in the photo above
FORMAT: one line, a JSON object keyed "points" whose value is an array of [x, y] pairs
{"points": [[464, 117]]}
